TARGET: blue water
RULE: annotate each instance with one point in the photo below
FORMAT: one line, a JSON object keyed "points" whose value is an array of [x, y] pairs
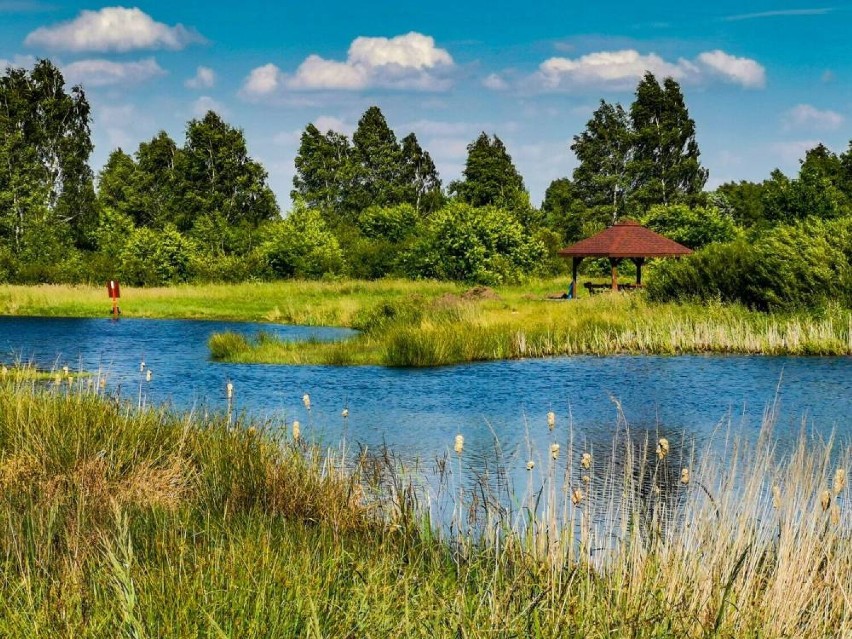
{"points": [[417, 412]]}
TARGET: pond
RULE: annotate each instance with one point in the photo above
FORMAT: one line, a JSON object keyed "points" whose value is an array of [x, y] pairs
{"points": [[418, 412]]}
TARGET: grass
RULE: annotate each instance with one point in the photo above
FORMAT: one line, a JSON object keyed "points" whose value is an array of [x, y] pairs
{"points": [[407, 323], [452, 329], [120, 522]]}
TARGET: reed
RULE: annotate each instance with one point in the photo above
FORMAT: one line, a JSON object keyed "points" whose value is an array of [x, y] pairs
{"points": [[142, 523], [454, 330]]}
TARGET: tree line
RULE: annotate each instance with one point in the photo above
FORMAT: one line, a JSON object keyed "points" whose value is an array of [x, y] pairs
{"points": [[368, 206]]}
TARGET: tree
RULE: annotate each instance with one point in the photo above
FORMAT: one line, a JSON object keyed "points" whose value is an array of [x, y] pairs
{"points": [[746, 200], [379, 158], [217, 177], [157, 184], [665, 168], [604, 151], [420, 177], [490, 177], [45, 143], [810, 195], [301, 245], [325, 172], [563, 210]]}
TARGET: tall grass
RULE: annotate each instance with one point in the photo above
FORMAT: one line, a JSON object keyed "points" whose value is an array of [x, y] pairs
{"points": [[451, 330], [121, 522]]}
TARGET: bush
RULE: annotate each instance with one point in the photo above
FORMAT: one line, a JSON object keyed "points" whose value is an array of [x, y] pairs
{"points": [[154, 258], [302, 246], [800, 266], [692, 227], [483, 245]]}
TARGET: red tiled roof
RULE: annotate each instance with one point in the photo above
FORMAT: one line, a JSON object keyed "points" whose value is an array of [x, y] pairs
{"points": [[626, 238]]}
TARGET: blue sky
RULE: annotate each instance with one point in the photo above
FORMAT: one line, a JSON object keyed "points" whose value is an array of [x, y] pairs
{"points": [[763, 80]]}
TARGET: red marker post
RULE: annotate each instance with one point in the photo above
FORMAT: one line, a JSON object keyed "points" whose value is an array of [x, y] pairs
{"points": [[114, 290]]}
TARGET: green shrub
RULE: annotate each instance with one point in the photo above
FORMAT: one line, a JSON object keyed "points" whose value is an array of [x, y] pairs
{"points": [[302, 246], [799, 266], [483, 245], [154, 258], [693, 227]]}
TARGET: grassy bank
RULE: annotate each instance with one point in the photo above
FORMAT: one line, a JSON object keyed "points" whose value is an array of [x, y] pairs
{"points": [[514, 324], [407, 323], [146, 524]]}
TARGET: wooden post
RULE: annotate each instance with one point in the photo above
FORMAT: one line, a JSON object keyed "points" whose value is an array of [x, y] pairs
{"points": [[613, 263], [575, 265], [638, 261]]}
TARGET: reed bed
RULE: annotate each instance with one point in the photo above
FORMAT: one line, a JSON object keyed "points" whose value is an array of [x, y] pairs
{"points": [[140, 523], [454, 330]]}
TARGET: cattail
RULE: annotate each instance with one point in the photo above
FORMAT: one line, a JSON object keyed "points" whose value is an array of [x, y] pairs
{"points": [[551, 420], [102, 383], [825, 500], [252, 431], [65, 371], [586, 461], [141, 366], [459, 445], [58, 379], [530, 464], [576, 496], [344, 413], [306, 400], [70, 381], [835, 514], [776, 497], [297, 431], [586, 479], [839, 481], [662, 448], [554, 451], [684, 476], [229, 391], [149, 376], [4, 370]]}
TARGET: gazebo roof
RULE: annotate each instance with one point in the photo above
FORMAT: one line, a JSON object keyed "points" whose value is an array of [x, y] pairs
{"points": [[626, 238]]}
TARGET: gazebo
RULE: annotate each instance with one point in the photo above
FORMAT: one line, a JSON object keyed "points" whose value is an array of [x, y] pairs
{"points": [[626, 239]]}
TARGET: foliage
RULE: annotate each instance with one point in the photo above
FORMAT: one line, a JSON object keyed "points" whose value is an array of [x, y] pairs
{"points": [[45, 179], [154, 258], [301, 246], [490, 177], [605, 150], [797, 266], [694, 227], [665, 168], [485, 245]]}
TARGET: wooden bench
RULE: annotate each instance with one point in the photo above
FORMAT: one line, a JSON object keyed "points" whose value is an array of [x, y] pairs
{"points": [[598, 288]]}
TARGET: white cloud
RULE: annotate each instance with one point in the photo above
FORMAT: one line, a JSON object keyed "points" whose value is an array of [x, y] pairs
{"points": [[617, 69], [99, 73], [495, 82], [113, 29], [621, 69], [805, 116], [204, 104], [262, 81], [410, 61], [204, 78], [743, 71]]}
